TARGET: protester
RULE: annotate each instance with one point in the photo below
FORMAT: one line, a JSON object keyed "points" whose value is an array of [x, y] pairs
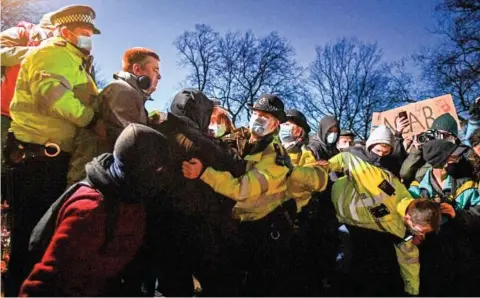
{"points": [[220, 124], [345, 140], [322, 144], [383, 150], [265, 226], [450, 254], [196, 221], [47, 110], [414, 166], [88, 252], [438, 184], [122, 102]]}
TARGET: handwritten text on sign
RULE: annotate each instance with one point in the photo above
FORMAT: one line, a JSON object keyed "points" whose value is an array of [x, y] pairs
{"points": [[421, 114]]}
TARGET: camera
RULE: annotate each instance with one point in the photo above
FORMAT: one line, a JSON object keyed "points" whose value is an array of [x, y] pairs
{"points": [[428, 135]]}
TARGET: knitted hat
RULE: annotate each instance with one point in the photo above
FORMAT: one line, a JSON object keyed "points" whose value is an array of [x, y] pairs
{"points": [[381, 135], [446, 122], [436, 152]]}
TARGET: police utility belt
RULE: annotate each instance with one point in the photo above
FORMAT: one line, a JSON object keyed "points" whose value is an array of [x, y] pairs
{"points": [[17, 151]]}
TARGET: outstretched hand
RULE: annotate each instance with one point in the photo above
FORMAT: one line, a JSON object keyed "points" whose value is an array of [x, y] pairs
{"points": [[192, 169]]}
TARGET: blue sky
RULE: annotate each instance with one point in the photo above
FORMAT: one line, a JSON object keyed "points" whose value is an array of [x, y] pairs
{"points": [[401, 27]]}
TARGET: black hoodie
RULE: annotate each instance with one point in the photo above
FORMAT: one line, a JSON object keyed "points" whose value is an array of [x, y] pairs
{"points": [[318, 143]]}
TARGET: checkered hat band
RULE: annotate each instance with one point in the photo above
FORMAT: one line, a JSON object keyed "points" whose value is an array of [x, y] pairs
{"points": [[75, 18]]}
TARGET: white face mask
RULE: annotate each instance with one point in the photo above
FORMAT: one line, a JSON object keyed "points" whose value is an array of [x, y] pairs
{"points": [[259, 125], [218, 129], [83, 42], [332, 137]]}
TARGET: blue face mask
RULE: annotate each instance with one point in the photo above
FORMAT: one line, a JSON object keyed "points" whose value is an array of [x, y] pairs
{"points": [[332, 137], [286, 134], [259, 125]]}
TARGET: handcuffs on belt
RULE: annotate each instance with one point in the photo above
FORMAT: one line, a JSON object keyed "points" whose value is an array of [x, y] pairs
{"points": [[47, 150], [16, 151]]}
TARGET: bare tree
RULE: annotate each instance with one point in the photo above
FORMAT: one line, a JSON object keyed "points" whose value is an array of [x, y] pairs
{"points": [[238, 67], [453, 65], [98, 76], [14, 11], [349, 80], [198, 51]]}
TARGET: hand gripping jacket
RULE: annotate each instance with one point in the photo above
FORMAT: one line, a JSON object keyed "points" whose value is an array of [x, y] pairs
{"points": [[260, 190], [373, 198], [306, 176]]}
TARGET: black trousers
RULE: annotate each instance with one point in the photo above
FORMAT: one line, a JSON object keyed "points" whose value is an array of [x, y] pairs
{"points": [[374, 269], [33, 186]]}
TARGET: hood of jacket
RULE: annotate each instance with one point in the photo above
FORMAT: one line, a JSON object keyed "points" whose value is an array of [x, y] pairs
{"points": [[192, 107], [324, 125], [131, 79], [99, 177], [318, 143]]}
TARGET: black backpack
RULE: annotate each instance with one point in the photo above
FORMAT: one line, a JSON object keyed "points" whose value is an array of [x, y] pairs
{"points": [[43, 232]]}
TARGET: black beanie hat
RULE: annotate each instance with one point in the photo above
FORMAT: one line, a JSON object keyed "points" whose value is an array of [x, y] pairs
{"points": [[436, 152], [140, 151]]}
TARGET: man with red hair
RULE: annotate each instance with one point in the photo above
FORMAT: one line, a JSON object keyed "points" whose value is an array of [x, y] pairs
{"points": [[122, 102]]}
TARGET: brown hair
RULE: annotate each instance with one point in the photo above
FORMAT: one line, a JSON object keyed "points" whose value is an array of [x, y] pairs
{"points": [[423, 211], [136, 56], [220, 115]]}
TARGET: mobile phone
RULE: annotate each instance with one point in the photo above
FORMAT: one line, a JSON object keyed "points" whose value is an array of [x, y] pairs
{"points": [[402, 114]]}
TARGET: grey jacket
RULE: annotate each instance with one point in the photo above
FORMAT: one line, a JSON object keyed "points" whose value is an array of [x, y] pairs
{"points": [[122, 102]]}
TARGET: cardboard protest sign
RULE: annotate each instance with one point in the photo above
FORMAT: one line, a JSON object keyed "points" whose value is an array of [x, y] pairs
{"points": [[421, 114]]}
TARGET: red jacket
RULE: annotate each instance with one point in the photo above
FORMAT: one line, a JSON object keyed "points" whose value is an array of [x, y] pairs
{"points": [[73, 264], [26, 35]]}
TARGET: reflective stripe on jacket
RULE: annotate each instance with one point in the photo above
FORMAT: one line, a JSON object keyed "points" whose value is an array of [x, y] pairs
{"points": [[52, 88], [359, 191], [259, 191]]}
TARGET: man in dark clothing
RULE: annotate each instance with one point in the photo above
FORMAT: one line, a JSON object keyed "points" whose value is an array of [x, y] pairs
{"points": [[100, 228], [191, 234], [323, 143], [414, 167]]}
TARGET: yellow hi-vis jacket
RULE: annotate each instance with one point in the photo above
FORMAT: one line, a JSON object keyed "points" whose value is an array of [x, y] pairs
{"points": [[306, 177], [46, 106], [260, 190], [359, 193]]}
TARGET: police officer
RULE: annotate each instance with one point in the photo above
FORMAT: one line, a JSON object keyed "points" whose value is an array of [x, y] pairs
{"points": [[50, 104], [265, 225]]}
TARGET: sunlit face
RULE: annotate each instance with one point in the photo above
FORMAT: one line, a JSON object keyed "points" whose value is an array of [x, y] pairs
{"points": [[274, 123], [72, 35], [344, 142], [151, 69], [381, 149]]}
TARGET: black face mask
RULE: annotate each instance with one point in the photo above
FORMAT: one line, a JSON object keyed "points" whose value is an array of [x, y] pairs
{"points": [[452, 169]]}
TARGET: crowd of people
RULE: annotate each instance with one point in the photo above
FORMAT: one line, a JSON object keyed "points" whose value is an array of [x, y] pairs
{"points": [[106, 199]]}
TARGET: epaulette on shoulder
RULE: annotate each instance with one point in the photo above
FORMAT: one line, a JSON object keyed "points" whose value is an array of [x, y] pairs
{"points": [[60, 43]]}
